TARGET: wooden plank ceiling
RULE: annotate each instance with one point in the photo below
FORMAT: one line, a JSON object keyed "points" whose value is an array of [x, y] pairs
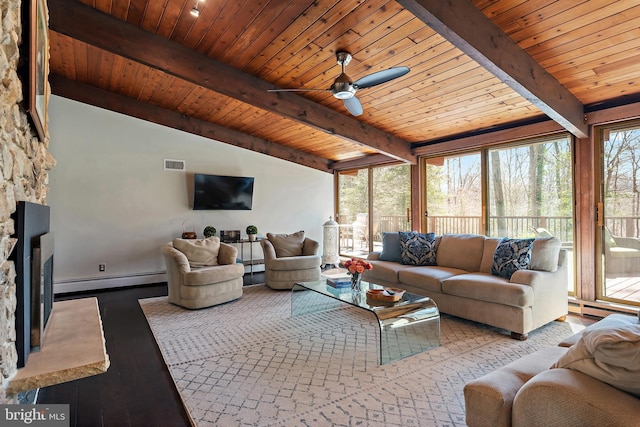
{"points": [[475, 65]]}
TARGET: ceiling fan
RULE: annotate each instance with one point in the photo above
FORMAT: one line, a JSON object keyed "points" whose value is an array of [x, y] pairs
{"points": [[344, 88]]}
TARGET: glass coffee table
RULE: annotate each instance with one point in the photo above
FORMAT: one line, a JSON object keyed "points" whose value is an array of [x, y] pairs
{"points": [[406, 327]]}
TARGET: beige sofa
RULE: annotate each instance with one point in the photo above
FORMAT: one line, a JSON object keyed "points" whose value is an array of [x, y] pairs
{"points": [[565, 386], [462, 283]]}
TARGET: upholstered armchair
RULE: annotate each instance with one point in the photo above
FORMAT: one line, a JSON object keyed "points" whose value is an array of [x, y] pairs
{"points": [[202, 273], [290, 258]]}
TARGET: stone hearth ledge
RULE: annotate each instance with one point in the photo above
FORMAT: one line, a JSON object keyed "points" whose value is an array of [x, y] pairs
{"points": [[73, 348]]}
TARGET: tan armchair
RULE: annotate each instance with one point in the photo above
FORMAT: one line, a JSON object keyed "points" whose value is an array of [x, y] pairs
{"points": [[193, 284], [622, 254], [290, 258]]}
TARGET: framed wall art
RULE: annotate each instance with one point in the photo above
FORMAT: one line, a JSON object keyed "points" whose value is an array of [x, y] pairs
{"points": [[38, 99]]}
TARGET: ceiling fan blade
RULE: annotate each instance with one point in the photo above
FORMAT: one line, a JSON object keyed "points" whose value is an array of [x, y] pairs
{"points": [[380, 77], [353, 105], [298, 90]]}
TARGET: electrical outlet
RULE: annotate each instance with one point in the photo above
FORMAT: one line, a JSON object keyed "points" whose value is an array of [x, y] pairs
{"points": [[102, 267]]}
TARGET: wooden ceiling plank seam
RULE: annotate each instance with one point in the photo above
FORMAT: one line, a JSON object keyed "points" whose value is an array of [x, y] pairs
{"points": [[251, 47], [563, 22], [168, 19], [313, 31], [135, 11], [120, 9], [223, 23], [236, 29], [598, 32], [153, 15], [364, 13], [479, 38], [210, 14], [114, 102], [590, 60], [293, 31], [502, 15], [124, 39]]}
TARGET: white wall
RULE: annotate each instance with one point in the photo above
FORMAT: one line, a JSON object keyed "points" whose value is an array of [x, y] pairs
{"points": [[112, 202]]}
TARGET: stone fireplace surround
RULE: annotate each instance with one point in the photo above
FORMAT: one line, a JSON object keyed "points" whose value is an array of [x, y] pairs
{"points": [[24, 165]]}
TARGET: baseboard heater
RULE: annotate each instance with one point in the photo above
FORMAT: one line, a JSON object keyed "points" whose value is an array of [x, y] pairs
{"points": [[599, 308]]}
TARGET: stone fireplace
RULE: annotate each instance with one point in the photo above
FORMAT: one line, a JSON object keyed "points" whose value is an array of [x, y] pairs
{"points": [[24, 165]]}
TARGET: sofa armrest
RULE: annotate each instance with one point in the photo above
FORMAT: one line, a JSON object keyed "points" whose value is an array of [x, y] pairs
{"points": [[373, 256], [489, 399], [568, 397]]}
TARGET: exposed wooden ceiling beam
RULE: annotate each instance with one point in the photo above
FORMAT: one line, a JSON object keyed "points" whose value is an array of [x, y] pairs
{"points": [[82, 22], [121, 104], [467, 28]]}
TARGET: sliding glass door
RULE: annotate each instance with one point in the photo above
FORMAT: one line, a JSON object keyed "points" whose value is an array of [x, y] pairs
{"points": [[620, 229], [372, 201]]}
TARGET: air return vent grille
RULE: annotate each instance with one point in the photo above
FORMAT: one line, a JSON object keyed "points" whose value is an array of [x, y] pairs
{"points": [[174, 165]]}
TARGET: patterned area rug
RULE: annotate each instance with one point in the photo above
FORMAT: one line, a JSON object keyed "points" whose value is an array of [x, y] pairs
{"points": [[248, 363]]}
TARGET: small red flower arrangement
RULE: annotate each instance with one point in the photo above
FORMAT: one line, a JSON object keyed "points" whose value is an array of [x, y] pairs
{"points": [[357, 266]]}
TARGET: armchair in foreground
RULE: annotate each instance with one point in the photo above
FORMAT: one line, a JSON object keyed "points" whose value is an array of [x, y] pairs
{"points": [[290, 258]]}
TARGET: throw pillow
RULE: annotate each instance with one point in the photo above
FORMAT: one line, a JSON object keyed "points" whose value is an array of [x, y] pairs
{"points": [[287, 245], [391, 247], [199, 252], [417, 248], [610, 355], [544, 254], [510, 256]]}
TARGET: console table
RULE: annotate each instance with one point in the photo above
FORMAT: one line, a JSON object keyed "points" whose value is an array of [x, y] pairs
{"points": [[73, 347]]}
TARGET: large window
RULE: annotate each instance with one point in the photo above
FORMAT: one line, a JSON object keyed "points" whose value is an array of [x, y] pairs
{"points": [[523, 190], [531, 191], [620, 230], [454, 194], [372, 201]]}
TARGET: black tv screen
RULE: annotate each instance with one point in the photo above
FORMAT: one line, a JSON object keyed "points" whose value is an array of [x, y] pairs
{"points": [[216, 192]]}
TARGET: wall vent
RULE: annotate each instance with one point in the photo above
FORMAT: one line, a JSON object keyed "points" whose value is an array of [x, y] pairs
{"points": [[174, 165]]}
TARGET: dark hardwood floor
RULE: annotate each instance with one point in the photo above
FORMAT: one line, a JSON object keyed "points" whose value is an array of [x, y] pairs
{"points": [[137, 389]]}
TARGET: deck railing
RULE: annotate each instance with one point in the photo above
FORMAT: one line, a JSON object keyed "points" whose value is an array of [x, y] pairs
{"points": [[511, 226]]}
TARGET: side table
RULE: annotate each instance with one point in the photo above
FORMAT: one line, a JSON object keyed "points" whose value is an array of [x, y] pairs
{"points": [[250, 262]]}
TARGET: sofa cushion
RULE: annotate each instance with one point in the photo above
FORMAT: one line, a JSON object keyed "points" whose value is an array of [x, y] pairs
{"points": [[610, 355], [417, 248], [385, 271], [428, 278], [199, 252], [462, 251], [295, 263], [287, 244], [486, 287], [544, 254], [511, 255], [390, 247]]}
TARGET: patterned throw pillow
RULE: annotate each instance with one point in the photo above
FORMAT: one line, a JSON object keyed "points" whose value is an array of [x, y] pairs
{"points": [[511, 255], [417, 248]]}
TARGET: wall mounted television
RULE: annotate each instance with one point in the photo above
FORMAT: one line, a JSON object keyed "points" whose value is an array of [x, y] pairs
{"points": [[217, 192]]}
